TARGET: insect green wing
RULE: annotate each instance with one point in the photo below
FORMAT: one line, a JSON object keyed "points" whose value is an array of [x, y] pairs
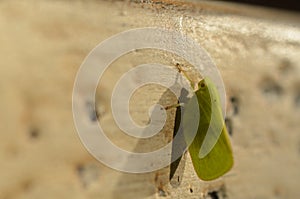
{"points": [[219, 159]]}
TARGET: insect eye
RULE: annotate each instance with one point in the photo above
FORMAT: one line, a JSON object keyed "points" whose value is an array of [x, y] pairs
{"points": [[202, 85]]}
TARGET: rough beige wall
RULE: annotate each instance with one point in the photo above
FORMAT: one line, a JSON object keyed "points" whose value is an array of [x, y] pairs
{"points": [[42, 46]]}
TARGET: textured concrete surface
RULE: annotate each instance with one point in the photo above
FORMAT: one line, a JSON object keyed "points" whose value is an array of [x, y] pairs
{"points": [[43, 44]]}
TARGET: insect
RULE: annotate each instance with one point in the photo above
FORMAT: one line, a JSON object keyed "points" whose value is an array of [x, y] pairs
{"points": [[177, 165], [218, 160]]}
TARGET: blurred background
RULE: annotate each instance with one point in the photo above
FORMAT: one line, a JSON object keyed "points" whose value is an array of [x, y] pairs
{"points": [[43, 44]]}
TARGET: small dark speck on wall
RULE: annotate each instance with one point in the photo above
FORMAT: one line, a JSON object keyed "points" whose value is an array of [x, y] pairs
{"points": [[271, 89], [213, 195], [161, 192], [92, 112], [34, 133], [228, 123], [218, 194], [87, 173], [235, 104]]}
